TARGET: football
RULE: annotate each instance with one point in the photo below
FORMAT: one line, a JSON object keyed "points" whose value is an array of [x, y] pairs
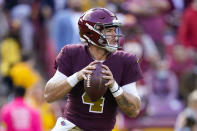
{"points": [[95, 84]]}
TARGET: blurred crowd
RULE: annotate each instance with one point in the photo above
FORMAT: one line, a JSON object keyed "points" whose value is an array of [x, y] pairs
{"points": [[161, 33]]}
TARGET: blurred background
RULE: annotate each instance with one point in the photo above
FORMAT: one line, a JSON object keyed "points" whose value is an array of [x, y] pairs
{"points": [[162, 33]]}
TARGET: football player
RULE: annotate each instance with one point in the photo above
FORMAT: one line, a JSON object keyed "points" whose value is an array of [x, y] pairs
{"points": [[99, 30]]}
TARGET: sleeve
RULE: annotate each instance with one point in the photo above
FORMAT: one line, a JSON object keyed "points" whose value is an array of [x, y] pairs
{"points": [[132, 71], [131, 89], [63, 62]]}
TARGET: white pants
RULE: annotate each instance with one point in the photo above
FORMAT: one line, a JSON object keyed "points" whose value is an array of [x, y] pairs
{"points": [[63, 125]]}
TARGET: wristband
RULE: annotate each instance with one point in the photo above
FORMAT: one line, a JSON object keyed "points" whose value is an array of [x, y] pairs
{"points": [[72, 80], [116, 90]]}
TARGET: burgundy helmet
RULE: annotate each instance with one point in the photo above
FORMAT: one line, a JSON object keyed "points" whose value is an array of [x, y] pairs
{"points": [[92, 22]]}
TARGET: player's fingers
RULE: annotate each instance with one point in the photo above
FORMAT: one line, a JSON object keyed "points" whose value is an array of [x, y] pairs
{"points": [[105, 67], [91, 67], [108, 77], [84, 76], [109, 82], [87, 72], [107, 72]]}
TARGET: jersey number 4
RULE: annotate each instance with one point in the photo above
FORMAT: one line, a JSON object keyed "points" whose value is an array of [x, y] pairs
{"points": [[96, 106]]}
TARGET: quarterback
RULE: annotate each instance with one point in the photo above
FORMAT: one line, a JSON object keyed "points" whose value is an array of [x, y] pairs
{"points": [[99, 31]]}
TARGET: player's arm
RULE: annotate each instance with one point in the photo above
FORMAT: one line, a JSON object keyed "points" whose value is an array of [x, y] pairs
{"points": [[59, 85], [127, 97]]}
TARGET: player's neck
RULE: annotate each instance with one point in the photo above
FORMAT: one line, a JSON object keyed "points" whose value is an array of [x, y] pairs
{"points": [[98, 53]]}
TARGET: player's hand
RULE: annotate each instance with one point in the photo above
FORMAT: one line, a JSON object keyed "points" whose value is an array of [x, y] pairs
{"points": [[82, 74], [108, 76]]}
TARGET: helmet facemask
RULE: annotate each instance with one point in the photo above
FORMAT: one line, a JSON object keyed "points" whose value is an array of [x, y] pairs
{"points": [[104, 37]]}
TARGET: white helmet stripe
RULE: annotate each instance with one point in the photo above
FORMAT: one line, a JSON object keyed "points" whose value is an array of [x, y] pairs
{"points": [[92, 28], [89, 40], [109, 48]]}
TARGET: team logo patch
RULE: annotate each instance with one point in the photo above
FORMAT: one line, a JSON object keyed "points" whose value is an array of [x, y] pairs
{"points": [[63, 123]]}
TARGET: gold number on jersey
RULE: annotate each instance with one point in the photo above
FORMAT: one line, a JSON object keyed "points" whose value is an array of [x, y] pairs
{"points": [[96, 106]]}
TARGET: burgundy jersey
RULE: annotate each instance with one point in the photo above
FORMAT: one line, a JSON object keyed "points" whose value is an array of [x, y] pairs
{"points": [[79, 109]]}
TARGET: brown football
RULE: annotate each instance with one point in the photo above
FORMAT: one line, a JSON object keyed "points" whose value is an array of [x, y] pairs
{"points": [[95, 84]]}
